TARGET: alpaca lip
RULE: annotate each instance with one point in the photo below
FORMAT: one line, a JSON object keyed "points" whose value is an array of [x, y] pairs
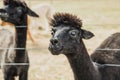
{"points": [[4, 16], [55, 49]]}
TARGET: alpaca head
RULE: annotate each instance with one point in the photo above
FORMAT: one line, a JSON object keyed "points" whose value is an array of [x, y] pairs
{"points": [[66, 34], [14, 11]]}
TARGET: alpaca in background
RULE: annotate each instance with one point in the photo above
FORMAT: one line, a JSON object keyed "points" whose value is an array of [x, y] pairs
{"points": [[15, 12], [29, 33], [45, 12], [108, 56]]}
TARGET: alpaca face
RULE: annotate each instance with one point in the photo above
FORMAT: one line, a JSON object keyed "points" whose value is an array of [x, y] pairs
{"points": [[14, 11], [12, 15], [64, 39], [67, 34]]}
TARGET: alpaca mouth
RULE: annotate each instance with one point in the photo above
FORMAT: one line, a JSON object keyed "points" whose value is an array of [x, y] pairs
{"points": [[55, 49], [4, 16]]}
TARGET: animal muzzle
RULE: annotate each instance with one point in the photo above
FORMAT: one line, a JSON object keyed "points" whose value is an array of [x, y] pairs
{"points": [[4, 16], [55, 46]]}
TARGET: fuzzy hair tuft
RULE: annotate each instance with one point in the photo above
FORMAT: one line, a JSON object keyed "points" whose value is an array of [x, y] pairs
{"points": [[65, 19]]}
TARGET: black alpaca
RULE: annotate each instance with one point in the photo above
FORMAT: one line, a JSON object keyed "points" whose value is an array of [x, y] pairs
{"points": [[108, 56], [16, 13], [67, 36]]}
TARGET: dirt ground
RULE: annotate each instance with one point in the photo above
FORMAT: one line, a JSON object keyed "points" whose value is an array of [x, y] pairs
{"points": [[102, 17]]}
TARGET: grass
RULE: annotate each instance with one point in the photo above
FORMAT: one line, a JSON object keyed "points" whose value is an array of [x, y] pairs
{"points": [[102, 17]]}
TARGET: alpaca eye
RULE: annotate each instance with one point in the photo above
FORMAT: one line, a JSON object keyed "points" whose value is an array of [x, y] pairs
{"points": [[20, 11], [72, 33]]}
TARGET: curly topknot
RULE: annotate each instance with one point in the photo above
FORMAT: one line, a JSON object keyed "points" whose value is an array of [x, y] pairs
{"points": [[66, 19]]}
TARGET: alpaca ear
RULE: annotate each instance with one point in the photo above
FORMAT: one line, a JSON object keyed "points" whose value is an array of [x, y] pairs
{"points": [[31, 13], [6, 2], [87, 34]]}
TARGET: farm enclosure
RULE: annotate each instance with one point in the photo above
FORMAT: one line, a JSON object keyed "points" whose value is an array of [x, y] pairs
{"points": [[102, 17]]}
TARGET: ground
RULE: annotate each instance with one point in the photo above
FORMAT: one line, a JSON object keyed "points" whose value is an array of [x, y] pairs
{"points": [[102, 17]]}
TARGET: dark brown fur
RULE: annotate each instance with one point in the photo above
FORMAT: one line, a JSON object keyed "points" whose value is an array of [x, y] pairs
{"points": [[66, 19], [109, 57]]}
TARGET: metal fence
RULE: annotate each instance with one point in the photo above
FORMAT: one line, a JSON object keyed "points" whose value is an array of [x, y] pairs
{"points": [[69, 9]]}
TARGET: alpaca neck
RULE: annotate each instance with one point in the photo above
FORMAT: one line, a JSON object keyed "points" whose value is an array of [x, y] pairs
{"points": [[82, 66], [21, 37]]}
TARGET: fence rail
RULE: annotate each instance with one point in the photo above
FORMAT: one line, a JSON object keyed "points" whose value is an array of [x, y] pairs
{"points": [[19, 64], [99, 49]]}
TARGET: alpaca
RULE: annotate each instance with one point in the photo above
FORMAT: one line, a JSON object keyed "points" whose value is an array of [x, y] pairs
{"points": [[14, 12], [109, 57], [3, 24], [67, 35], [45, 12]]}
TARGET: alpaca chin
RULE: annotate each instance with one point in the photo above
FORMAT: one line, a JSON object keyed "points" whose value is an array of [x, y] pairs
{"points": [[55, 50]]}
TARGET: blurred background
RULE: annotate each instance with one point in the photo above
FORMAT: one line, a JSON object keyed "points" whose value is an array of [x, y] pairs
{"points": [[102, 17]]}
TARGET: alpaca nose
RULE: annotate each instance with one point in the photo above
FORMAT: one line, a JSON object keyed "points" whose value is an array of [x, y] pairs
{"points": [[54, 41]]}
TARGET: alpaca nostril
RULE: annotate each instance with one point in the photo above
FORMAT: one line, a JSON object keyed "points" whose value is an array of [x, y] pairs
{"points": [[54, 41]]}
